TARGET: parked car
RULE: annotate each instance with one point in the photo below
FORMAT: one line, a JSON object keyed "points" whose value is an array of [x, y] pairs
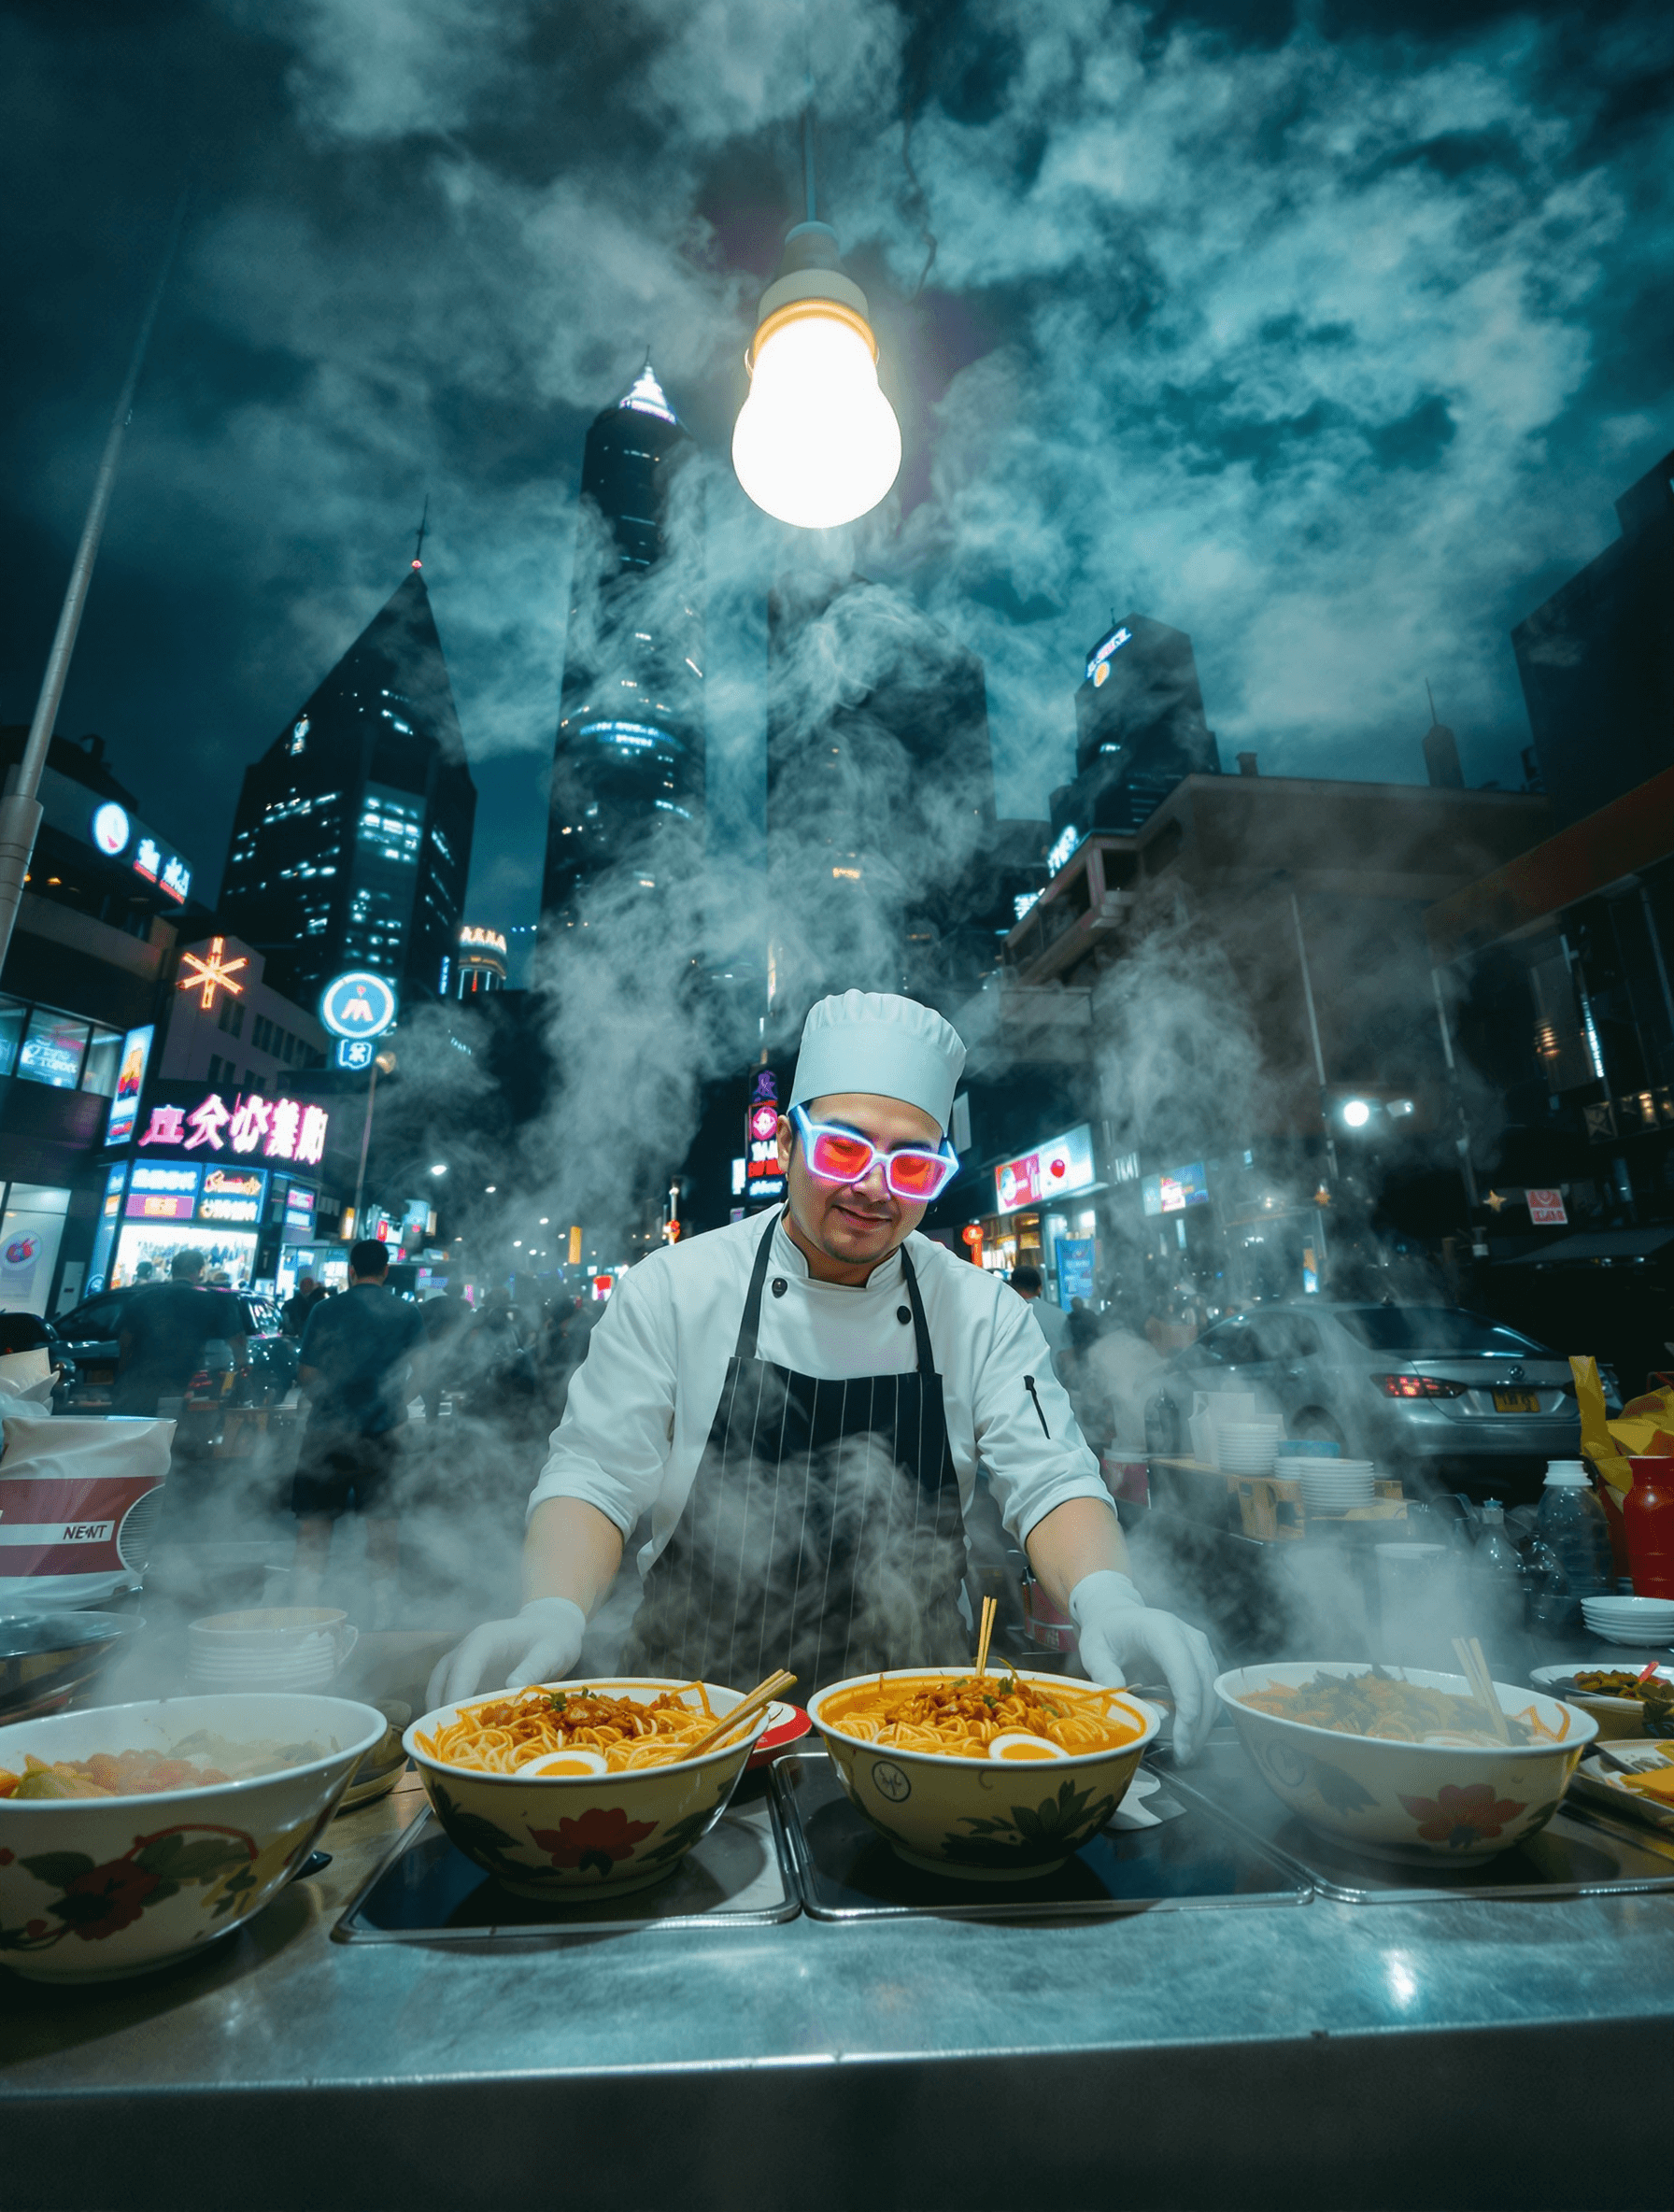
{"points": [[1432, 1390], [92, 1332]]}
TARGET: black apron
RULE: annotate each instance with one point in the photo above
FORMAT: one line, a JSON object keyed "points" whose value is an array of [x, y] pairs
{"points": [[823, 1529]]}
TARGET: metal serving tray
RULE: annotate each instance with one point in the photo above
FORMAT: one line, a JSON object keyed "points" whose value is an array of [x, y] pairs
{"points": [[846, 1871], [428, 1892], [1577, 1854]]}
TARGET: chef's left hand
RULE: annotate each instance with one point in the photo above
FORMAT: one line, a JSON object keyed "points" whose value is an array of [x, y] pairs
{"points": [[1118, 1629]]}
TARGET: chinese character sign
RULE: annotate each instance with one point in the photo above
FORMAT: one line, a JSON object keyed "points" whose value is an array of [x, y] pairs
{"points": [[274, 1128], [253, 1121], [207, 1122]]}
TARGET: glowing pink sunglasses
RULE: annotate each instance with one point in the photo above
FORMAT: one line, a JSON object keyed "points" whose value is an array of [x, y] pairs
{"points": [[835, 1154]]}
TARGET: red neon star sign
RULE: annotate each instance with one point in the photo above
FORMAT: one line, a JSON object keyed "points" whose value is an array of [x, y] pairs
{"points": [[214, 973]]}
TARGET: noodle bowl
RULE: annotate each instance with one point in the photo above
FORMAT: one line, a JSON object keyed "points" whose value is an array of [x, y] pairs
{"points": [[994, 1778], [563, 1787]]}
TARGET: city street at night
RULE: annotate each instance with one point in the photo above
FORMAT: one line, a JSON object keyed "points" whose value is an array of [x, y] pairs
{"points": [[836, 929]]}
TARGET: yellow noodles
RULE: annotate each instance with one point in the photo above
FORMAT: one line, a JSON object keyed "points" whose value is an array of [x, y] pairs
{"points": [[960, 1715], [507, 1733]]}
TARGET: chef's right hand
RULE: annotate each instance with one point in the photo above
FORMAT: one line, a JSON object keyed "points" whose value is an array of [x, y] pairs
{"points": [[541, 1644]]}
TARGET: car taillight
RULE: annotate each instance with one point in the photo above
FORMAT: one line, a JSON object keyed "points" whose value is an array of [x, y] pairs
{"points": [[1417, 1386]]}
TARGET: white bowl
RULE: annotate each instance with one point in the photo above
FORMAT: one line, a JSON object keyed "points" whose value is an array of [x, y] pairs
{"points": [[562, 1835], [95, 1888], [1461, 1803], [952, 1815]]}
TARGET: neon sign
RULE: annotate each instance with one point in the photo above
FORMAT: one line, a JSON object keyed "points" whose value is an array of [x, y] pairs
{"points": [[1101, 653], [111, 828], [1062, 852], [130, 1081], [1053, 1170], [764, 1178], [211, 973], [357, 1003], [278, 1129]]}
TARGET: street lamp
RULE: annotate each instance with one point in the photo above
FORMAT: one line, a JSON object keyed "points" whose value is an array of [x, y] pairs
{"points": [[440, 1168], [816, 444], [1355, 1113]]}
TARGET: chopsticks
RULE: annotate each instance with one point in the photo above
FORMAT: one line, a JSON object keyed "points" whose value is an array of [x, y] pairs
{"points": [[1481, 1685], [986, 1634], [746, 1709]]}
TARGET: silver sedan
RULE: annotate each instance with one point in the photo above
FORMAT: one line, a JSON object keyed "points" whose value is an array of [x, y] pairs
{"points": [[1419, 1389]]}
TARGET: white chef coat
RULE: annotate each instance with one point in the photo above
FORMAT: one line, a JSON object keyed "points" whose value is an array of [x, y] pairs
{"points": [[642, 1402]]}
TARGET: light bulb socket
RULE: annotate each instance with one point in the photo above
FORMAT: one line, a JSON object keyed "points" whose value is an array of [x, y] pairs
{"points": [[809, 269]]}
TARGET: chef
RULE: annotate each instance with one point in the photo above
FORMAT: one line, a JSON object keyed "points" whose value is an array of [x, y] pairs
{"points": [[800, 1402]]}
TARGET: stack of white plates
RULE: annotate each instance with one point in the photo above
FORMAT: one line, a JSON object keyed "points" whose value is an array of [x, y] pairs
{"points": [[1333, 1485], [1642, 1621], [1247, 1447], [294, 1648]]}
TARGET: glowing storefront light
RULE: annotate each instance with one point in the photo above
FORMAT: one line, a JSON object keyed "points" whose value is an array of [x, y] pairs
{"points": [[111, 829], [816, 444]]}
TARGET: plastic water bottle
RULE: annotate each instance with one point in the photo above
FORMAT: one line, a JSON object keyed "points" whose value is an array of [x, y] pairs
{"points": [[1496, 1580], [1571, 1524], [1551, 1608]]}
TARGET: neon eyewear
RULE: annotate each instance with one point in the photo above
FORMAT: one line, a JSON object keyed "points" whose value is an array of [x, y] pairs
{"points": [[916, 1173]]}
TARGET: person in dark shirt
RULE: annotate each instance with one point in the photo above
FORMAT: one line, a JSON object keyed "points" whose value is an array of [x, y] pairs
{"points": [[163, 1330], [301, 1303], [358, 1366]]}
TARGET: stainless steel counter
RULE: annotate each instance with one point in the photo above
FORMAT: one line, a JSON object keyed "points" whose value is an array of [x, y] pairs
{"points": [[1464, 2053]]}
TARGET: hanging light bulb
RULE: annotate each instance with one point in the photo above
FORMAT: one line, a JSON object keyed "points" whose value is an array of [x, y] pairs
{"points": [[816, 444]]}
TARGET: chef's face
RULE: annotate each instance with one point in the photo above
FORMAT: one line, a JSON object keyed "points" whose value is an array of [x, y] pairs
{"points": [[857, 1224]]}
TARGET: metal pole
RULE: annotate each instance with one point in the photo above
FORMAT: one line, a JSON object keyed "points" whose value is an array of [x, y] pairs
{"points": [[1319, 1057], [365, 1147], [1656, 946], [19, 809], [1463, 1141]]}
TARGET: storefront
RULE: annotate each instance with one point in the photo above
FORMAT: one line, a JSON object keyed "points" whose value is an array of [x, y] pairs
{"points": [[232, 1180], [30, 1237], [1043, 1217]]}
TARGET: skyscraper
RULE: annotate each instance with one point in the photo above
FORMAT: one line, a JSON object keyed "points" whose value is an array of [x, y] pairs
{"points": [[1139, 728], [1598, 661], [352, 839], [626, 795], [880, 792]]}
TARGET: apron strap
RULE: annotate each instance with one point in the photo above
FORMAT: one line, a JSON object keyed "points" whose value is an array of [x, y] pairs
{"points": [[749, 1325], [921, 1328]]}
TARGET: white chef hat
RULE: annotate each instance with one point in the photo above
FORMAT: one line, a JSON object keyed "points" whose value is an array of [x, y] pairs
{"points": [[872, 1040]]}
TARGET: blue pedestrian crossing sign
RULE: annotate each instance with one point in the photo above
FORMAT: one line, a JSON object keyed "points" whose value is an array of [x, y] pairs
{"points": [[354, 1052], [359, 1004]]}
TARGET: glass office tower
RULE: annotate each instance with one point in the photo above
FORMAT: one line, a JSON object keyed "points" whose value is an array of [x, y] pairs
{"points": [[627, 793], [352, 839]]}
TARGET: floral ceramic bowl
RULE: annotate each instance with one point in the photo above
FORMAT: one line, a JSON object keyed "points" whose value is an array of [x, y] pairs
{"points": [[561, 1835], [95, 1888], [983, 1819], [1461, 1802]]}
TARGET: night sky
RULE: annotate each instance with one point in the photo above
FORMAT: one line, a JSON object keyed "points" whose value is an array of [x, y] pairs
{"points": [[1327, 334]]}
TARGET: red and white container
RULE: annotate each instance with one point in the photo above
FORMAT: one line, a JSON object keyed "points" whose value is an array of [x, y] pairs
{"points": [[79, 1500]]}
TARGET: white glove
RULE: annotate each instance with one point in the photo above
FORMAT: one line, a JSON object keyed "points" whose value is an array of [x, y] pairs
{"points": [[541, 1644], [1117, 1628]]}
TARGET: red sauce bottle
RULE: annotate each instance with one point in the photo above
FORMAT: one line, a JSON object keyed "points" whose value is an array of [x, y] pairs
{"points": [[1648, 1511]]}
